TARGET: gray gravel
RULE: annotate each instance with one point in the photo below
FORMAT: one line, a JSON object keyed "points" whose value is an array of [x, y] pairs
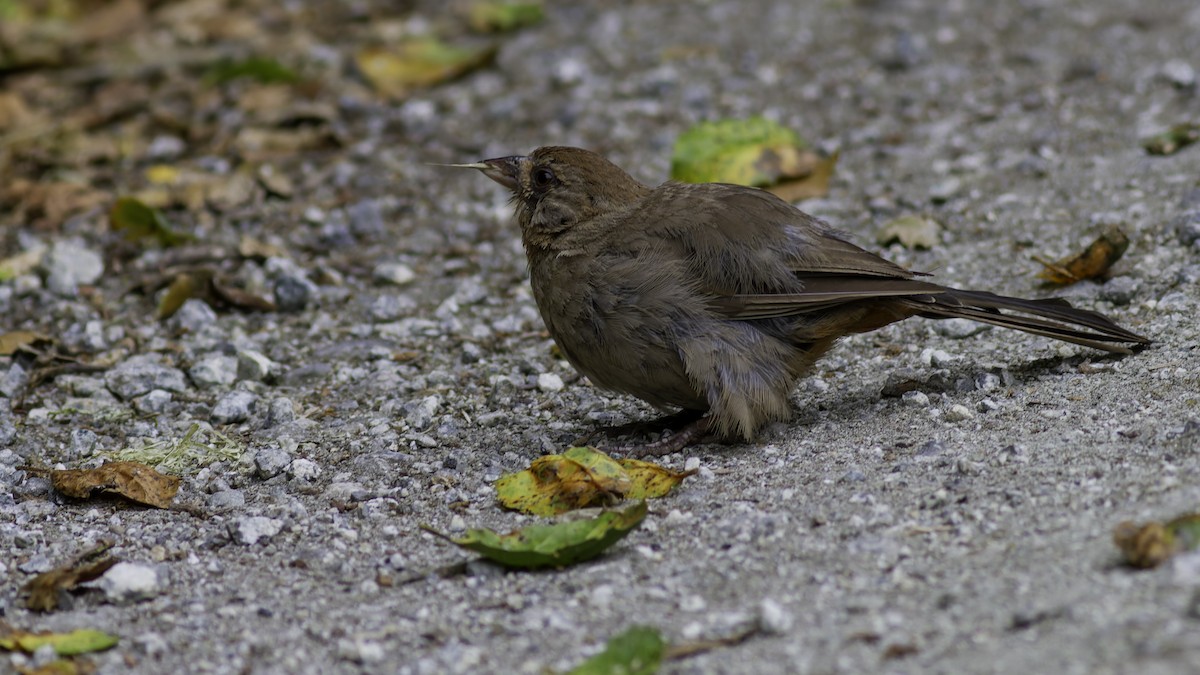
{"points": [[960, 523]]}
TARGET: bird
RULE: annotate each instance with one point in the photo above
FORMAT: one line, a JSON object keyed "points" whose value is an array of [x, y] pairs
{"points": [[713, 299]]}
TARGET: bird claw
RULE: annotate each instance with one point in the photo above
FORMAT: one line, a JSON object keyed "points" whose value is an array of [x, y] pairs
{"points": [[693, 433]]}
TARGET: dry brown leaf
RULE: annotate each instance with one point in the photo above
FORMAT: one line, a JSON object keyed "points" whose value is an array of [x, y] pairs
{"points": [[16, 340], [47, 205], [225, 193], [46, 588], [1092, 263], [13, 111], [1150, 544], [240, 298], [111, 20], [275, 182], [21, 263], [812, 185], [257, 144], [249, 247], [132, 480]]}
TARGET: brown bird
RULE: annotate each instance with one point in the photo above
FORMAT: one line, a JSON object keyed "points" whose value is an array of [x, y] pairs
{"points": [[716, 298]]}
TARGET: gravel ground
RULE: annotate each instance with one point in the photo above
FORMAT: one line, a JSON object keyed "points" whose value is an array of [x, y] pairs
{"points": [[962, 528]]}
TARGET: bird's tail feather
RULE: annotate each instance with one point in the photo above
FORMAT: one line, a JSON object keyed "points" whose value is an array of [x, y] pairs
{"points": [[1053, 317]]}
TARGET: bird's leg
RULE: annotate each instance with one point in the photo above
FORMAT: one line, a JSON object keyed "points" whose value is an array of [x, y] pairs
{"points": [[690, 434], [652, 427]]}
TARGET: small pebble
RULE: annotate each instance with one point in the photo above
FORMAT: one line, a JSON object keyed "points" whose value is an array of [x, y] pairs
{"points": [[393, 273], [291, 294], [549, 382], [958, 413], [252, 529], [303, 469], [280, 411], [214, 370], [773, 618], [141, 374], [69, 265], [193, 316], [226, 500], [131, 581], [255, 366], [271, 461], [234, 407]]}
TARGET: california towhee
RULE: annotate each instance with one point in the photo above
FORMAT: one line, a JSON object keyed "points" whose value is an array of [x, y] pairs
{"points": [[716, 298]]}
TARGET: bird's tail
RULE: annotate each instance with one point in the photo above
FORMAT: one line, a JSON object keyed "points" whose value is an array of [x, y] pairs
{"points": [[1051, 317]]}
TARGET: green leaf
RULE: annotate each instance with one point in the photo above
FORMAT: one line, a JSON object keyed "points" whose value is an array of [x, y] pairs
{"points": [[558, 545], [139, 221], [637, 651], [81, 641], [258, 68], [754, 151], [1172, 140], [491, 16]]}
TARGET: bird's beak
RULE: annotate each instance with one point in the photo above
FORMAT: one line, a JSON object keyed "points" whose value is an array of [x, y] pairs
{"points": [[503, 170]]}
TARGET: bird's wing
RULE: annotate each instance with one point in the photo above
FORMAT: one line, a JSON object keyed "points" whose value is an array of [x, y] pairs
{"points": [[759, 257]]}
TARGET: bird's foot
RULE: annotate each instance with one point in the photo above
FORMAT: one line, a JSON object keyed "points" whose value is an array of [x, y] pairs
{"points": [[652, 428], [692, 433]]}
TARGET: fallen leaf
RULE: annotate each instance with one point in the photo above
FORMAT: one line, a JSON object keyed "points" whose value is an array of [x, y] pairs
{"points": [[1149, 544], [754, 151], [651, 481], [258, 68], [133, 480], [185, 286], [45, 589], [14, 341], [815, 184], [275, 182], [13, 111], [913, 232], [82, 641], [496, 16], [1172, 140], [1092, 263], [558, 545], [637, 651], [46, 205], [162, 174], [230, 191], [256, 249], [204, 284], [554, 484], [418, 63], [21, 263], [111, 20], [140, 222], [239, 298], [256, 144]]}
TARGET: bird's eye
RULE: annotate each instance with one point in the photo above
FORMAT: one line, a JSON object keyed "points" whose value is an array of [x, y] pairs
{"points": [[541, 177]]}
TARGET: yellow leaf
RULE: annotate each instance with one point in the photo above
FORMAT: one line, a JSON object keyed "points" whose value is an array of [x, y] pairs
{"points": [[554, 484], [162, 174], [418, 63], [651, 481]]}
